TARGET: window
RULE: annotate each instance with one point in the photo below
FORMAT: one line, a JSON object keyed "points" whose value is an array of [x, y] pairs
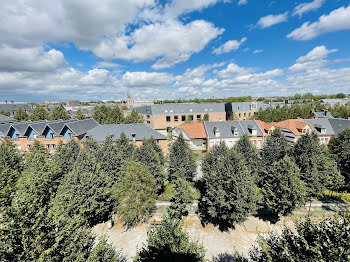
{"points": [[17, 136], [234, 130], [190, 117], [166, 111], [216, 132], [199, 117], [70, 135], [239, 115], [48, 146], [29, 147], [53, 146], [176, 118], [133, 138], [148, 116], [168, 118], [171, 111], [183, 118], [190, 110], [148, 122], [245, 114], [51, 135]]}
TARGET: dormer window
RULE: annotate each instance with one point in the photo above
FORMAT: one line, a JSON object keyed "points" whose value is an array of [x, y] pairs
{"points": [[216, 132], [133, 138], [234, 130]]}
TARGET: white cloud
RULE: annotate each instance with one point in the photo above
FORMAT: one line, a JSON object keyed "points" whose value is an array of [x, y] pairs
{"points": [[105, 64], [233, 69], [146, 79], [257, 51], [271, 20], [337, 20], [33, 59], [171, 43], [242, 2], [229, 46], [307, 7]]}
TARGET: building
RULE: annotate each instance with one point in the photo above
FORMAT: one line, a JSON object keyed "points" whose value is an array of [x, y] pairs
{"points": [[333, 102], [73, 103], [49, 133], [194, 134], [6, 119], [241, 110], [12, 107], [163, 117], [321, 114], [135, 132], [322, 127]]}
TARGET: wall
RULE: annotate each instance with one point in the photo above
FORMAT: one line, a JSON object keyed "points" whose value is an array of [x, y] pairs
{"points": [[163, 144]]}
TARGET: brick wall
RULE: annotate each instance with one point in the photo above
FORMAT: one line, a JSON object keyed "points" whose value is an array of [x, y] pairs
{"points": [[163, 143]]}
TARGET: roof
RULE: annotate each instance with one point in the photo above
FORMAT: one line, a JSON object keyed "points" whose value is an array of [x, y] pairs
{"points": [[6, 119], [194, 130], [80, 127], [321, 114], [248, 125], [141, 131], [339, 124], [265, 127], [321, 123], [11, 107], [58, 126], [40, 127], [334, 101], [225, 128], [293, 125], [188, 108]]}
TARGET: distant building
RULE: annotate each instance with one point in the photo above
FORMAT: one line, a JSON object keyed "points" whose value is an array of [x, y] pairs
{"points": [[73, 103], [333, 102], [194, 134], [321, 114], [12, 107], [163, 117]]}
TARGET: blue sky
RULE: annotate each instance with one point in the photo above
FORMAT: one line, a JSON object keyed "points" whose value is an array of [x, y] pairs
{"points": [[91, 50]]}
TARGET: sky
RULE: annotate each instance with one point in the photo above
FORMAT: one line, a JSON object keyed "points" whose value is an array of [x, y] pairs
{"points": [[99, 49]]}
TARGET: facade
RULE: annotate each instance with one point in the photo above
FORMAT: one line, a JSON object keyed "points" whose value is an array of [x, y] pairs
{"points": [[194, 134], [323, 129], [241, 110], [135, 132], [12, 107], [163, 117]]}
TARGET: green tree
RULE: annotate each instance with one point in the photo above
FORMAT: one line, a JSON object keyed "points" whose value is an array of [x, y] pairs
{"points": [[39, 113], [228, 194], [21, 115], [339, 146], [115, 116], [169, 242], [98, 115], [275, 148], [125, 147], [66, 155], [4, 113], [104, 252], [136, 194], [59, 113], [79, 115], [283, 189], [206, 117], [181, 158], [181, 198], [85, 192], [91, 146], [151, 155], [327, 240], [317, 169], [134, 117]]}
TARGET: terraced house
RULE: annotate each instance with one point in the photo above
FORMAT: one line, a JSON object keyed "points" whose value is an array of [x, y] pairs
{"points": [[163, 117]]}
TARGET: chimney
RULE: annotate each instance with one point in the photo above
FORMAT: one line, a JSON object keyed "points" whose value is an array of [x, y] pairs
{"points": [[12, 102], [325, 112], [5, 101]]}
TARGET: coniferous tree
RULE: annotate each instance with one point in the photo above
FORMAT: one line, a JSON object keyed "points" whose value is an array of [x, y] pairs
{"points": [[339, 146], [126, 149], [283, 189], [85, 192], [169, 242], [79, 115], [39, 113], [181, 198], [104, 252], [134, 117], [317, 169], [275, 148], [151, 155], [9, 156], [66, 155], [136, 194], [115, 116], [91, 146], [98, 115], [181, 158], [4, 113], [228, 194], [21, 115], [59, 113]]}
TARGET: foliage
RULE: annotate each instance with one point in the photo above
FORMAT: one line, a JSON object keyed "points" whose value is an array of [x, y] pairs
{"points": [[207, 100], [136, 194], [169, 192], [104, 252], [91, 146], [39, 113], [181, 197], [107, 115], [79, 115], [337, 195], [340, 148], [283, 190], [21, 115], [169, 242], [228, 193], [125, 147], [151, 155], [66, 155], [85, 192], [205, 117], [181, 161], [327, 240], [59, 113], [134, 117], [318, 170], [4, 113]]}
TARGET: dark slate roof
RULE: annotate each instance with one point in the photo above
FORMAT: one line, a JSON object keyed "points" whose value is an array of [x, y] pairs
{"points": [[320, 123], [80, 127], [4, 128], [241, 106], [339, 124], [323, 114], [141, 131], [6, 119], [58, 126], [40, 127], [225, 129], [181, 108], [22, 127], [248, 125], [13, 107]]}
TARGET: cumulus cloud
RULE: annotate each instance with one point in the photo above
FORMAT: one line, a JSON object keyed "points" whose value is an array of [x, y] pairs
{"points": [[307, 7], [105, 64], [233, 69], [33, 59], [337, 20], [146, 79], [229, 46], [271, 20], [242, 2], [312, 60]]}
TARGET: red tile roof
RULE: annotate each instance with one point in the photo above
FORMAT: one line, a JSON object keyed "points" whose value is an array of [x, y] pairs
{"points": [[194, 130]]}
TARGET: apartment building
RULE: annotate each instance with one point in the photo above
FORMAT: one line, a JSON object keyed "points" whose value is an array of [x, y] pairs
{"points": [[194, 134], [136, 133], [163, 117]]}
